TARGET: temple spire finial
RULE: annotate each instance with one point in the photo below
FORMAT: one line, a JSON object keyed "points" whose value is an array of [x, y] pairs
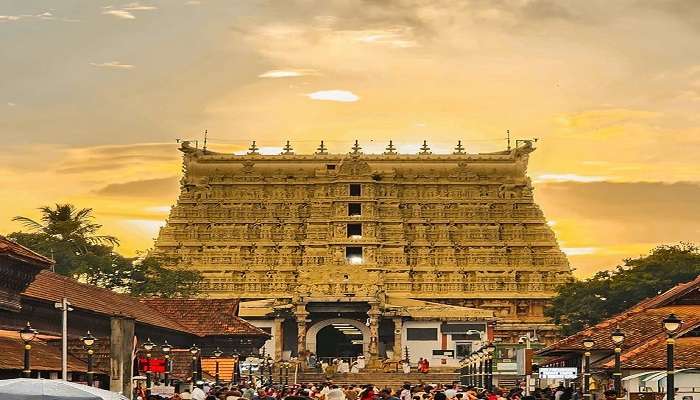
{"points": [[508, 138], [356, 148], [253, 149], [205, 142], [322, 149], [288, 150], [424, 149], [459, 149], [390, 149]]}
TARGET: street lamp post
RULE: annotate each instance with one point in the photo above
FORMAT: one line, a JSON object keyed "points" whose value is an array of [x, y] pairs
{"points": [[165, 348], [27, 334], [194, 350], [270, 366], [671, 325], [286, 373], [148, 345], [588, 345], [217, 353], [236, 369], [480, 354], [490, 348], [88, 341], [618, 337]]}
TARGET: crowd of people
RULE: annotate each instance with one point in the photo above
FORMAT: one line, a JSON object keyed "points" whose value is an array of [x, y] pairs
{"points": [[330, 391]]}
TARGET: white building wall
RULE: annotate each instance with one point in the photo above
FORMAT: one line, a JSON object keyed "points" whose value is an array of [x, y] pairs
{"points": [[270, 343], [424, 348]]}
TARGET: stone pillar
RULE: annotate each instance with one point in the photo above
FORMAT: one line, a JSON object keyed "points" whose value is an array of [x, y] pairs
{"points": [[121, 344], [398, 343], [279, 339], [374, 314], [301, 314]]}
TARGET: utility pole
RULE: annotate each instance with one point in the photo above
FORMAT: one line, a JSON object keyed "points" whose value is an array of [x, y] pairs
{"points": [[64, 306]]}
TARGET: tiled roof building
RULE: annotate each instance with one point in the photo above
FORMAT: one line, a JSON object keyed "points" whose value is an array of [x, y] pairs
{"points": [[29, 291], [644, 346]]}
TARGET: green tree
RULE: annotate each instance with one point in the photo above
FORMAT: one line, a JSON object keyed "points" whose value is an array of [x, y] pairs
{"points": [[150, 278], [69, 236], [582, 303], [68, 224]]}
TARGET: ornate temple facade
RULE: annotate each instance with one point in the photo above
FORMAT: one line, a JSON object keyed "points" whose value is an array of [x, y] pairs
{"points": [[374, 254]]}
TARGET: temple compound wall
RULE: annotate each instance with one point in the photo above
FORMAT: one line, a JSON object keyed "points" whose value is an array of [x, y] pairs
{"points": [[420, 253]]}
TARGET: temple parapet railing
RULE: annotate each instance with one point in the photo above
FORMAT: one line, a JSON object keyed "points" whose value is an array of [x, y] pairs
{"points": [[467, 213], [436, 288]]}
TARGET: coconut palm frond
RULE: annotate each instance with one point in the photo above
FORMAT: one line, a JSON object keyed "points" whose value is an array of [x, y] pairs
{"points": [[103, 239], [29, 223]]}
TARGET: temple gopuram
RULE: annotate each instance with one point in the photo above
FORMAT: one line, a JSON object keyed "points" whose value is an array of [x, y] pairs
{"points": [[390, 256]]}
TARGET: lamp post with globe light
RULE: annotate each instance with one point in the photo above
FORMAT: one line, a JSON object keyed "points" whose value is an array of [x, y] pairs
{"points": [[165, 348], [194, 351], [588, 345], [89, 341], [482, 367], [671, 324], [148, 345], [490, 348], [217, 353], [236, 368], [617, 337], [27, 334]]}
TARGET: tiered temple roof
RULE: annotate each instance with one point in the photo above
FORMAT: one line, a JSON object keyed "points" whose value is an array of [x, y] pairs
{"points": [[459, 229]]}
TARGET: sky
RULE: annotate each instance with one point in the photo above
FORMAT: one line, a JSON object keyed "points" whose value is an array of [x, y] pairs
{"points": [[94, 94]]}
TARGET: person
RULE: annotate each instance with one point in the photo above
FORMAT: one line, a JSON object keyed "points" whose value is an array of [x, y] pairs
{"points": [[610, 395], [198, 391], [405, 392], [423, 365], [355, 367], [368, 393], [386, 394], [351, 393], [335, 394], [559, 392], [406, 366]]}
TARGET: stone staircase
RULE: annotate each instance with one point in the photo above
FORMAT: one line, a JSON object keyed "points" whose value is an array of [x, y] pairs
{"points": [[379, 379]]}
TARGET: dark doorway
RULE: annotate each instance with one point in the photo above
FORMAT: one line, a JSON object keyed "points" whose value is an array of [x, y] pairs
{"points": [[339, 340]]}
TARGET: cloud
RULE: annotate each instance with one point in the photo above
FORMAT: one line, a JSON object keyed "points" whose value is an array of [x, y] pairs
{"points": [[578, 251], [123, 14], [569, 178], [11, 104], [343, 96], [286, 73], [138, 7], [112, 65], [154, 188], [46, 15]]}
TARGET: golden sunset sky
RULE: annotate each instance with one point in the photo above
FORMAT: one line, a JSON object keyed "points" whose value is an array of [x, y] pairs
{"points": [[94, 93]]}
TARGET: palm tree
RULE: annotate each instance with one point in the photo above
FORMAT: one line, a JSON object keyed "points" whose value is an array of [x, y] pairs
{"points": [[66, 223]]}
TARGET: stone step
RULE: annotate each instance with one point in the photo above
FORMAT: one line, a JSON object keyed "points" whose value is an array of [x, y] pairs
{"points": [[392, 379]]}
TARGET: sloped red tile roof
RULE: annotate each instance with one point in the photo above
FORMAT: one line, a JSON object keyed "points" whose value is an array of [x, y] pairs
{"points": [[206, 317], [19, 252], [640, 323], [652, 355], [49, 286], [43, 357]]}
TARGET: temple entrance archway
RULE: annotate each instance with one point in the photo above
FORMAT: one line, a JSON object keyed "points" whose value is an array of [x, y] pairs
{"points": [[338, 337]]}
